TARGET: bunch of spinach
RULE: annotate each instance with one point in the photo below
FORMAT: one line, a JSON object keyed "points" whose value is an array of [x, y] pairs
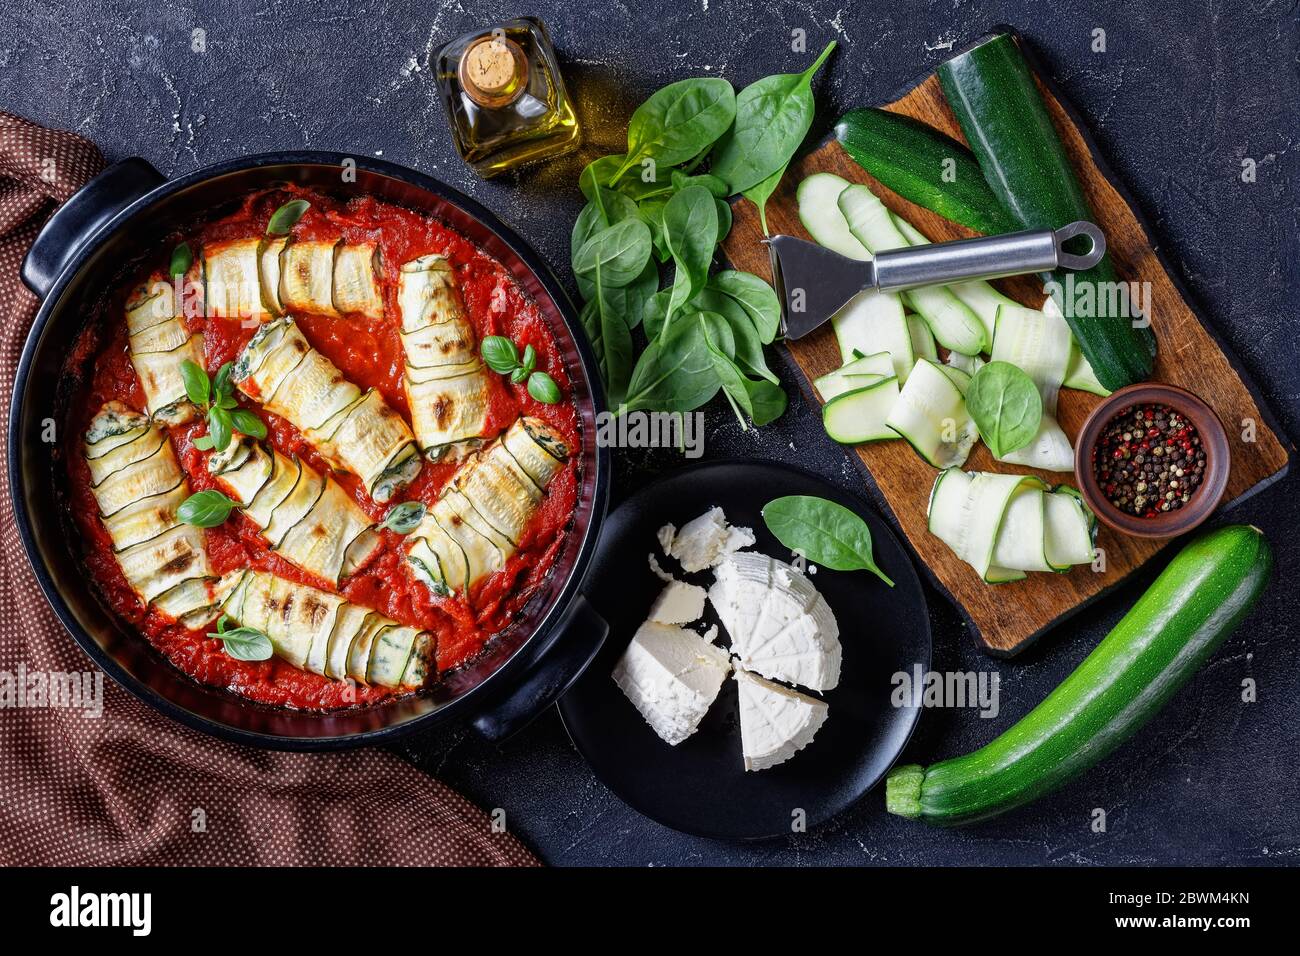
{"points": [[690, 147]]}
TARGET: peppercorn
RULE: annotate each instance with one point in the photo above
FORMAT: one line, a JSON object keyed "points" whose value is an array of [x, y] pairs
{"points": [[1148, 460]]}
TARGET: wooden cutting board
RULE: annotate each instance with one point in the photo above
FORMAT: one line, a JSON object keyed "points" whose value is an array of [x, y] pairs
{"points": [[1005, 618]]}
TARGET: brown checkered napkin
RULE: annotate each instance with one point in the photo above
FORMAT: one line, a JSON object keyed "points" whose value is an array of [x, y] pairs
{"points": [[132, 787]]}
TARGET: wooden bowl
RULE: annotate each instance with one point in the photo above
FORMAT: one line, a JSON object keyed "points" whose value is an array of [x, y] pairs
{"points": [[1214, 442]]}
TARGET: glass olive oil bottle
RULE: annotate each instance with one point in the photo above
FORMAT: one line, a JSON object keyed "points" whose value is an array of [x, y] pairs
{"points": [[505, 97]]}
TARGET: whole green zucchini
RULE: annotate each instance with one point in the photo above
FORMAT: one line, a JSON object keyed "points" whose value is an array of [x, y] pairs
{"points": [[1204, 593], [996, 100], [912, 159]]}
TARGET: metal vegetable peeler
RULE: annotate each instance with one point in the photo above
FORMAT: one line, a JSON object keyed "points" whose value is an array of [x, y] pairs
{"points": [[814, 283]]}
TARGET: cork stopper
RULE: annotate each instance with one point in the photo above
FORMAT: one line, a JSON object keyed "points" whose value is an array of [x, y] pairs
{"points": [[492, 70]]}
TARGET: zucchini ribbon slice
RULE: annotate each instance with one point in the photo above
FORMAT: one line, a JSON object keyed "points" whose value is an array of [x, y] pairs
{"points": [[479, 519], [326, 634], [270, 277], [446, 384], [159, 342], [138, 485], [354, 431], [308, 520]]}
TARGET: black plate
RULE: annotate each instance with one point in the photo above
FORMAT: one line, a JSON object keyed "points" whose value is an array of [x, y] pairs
{"points": [[700, 786]]}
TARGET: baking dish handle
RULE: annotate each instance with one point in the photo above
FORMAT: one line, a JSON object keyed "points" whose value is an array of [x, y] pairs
{"points": [[81, 217], [579, 638]]}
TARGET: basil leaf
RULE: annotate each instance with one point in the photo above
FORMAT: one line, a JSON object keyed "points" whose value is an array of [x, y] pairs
{"points": [[755, 296], [404, 518], [543, 388], [500, 354], [221, 382], [529, 360], [679, 121], [691, 232], [203, 443], [676, 372], [247, 423], [824, 532], [205, 509], [286, 217], [1006, 406], [519, 375], [244, 643], [772, 119], [198, 389], [760, 193], [621, 251], [220, 427], [182, 259]]}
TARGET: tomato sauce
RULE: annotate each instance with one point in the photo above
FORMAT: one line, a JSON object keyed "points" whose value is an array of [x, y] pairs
{"points": [[369, 353]]}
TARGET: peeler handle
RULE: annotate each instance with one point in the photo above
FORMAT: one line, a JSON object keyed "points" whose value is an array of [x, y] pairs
{"points": [[989, 257]]}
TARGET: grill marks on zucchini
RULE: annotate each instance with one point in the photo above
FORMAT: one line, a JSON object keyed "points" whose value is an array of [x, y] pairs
{"points": [[478, 522], [159, 342], [328, 635], [308, 520], [445, 380], [138, 485], [260, 277], [354, 431]]}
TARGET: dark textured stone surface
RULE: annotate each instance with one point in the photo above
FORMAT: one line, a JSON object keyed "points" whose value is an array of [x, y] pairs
{"points": [[1185, 92]]}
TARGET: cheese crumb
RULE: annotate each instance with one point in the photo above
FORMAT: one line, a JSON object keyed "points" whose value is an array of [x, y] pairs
{"points": [[705, 542], [678, 603]]}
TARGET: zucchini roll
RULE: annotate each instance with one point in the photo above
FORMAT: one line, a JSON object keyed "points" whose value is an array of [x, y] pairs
{"points": [[356, 280], [479, 519], [159, 342], [232, 287], [308, 520], [446, 384], [138, 486], [328, 635], [354, 432], [307, 277]]}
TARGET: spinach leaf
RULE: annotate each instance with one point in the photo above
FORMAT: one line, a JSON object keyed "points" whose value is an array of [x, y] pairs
{"points": [[724, 218], [613, 209], [824, 532], [691, 232], [678, 122], [676, 372], [620, 252], [617, 354], [762, 401], [716, 186], [651, 212], [755, 296], [772, 118], [760, 193], [748, 351], [1006, 406]]}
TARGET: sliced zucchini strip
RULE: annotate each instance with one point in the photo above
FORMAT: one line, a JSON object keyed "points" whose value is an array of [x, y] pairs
{"points": [[232, 287], [159, 342], [308, 520], [1005, 526], [482, 515], [354, 432], [1040, 344], [138, 486], [931, 414], [446, 383]]}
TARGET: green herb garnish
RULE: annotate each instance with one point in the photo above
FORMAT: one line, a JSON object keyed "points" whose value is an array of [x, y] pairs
{"points": [[242, 643], [503, 357], [216, 398], [286, 217], [205, 509], [182, 259]]}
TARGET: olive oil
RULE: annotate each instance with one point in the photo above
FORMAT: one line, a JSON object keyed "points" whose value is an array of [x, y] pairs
{"points": [[505, 97]]}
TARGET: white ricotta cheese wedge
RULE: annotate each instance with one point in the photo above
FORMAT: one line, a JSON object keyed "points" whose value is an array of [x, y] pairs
{"points": [[779, 625], [671, 675], [704, 542], [678, 603], [775, 722]]}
